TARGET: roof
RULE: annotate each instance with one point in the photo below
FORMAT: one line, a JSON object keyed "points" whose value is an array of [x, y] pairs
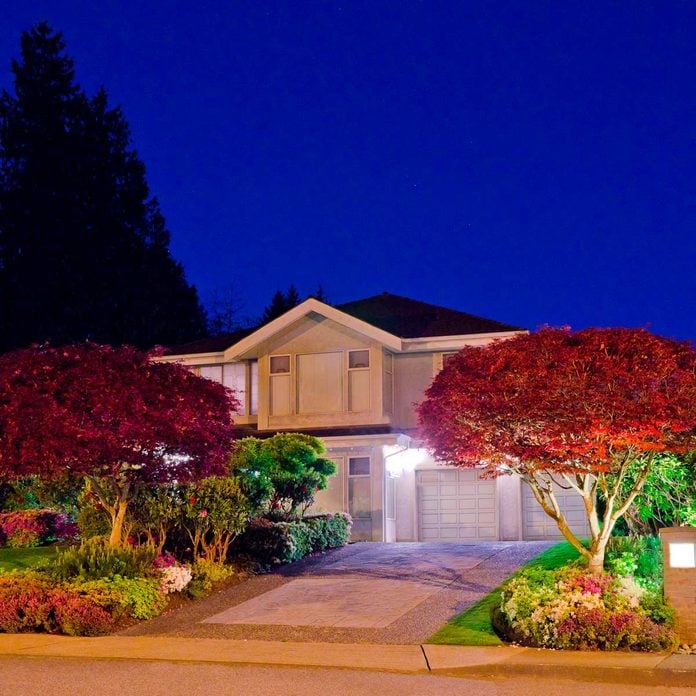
{"points": [[399, 316], [409, 318], [212, 344]]}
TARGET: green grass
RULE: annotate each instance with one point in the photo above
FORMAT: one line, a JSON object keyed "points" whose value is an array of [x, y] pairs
{"points": [[473, 626], [21, 559]]}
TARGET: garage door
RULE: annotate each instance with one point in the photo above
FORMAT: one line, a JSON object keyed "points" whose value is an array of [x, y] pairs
{"points": [[536, 524], [456, 505]]}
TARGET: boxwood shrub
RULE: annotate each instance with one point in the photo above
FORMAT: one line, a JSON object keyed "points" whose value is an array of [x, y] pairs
{"points": [[273, 543]]}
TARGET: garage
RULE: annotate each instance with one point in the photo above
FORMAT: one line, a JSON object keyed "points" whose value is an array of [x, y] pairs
{"points": [[456, 505], [536, 524]]}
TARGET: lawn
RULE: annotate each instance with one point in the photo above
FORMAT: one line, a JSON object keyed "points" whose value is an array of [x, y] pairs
{"points": [[21, 559], [473, 626]]}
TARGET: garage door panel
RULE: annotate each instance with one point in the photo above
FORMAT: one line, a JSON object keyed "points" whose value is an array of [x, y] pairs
{"points": [[536, 524], [460, 507]]}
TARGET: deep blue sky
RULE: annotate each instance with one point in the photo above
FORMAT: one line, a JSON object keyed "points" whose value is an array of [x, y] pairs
{"points": [[533, 162]]}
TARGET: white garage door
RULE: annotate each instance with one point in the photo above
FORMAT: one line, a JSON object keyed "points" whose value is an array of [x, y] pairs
{"points": [[456, 505], [536, 524]]}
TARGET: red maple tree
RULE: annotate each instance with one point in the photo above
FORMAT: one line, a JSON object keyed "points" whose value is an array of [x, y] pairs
{"points": [[112, 415], [566, 409]]}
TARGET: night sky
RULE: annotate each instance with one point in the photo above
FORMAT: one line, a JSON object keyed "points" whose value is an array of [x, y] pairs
{"points": [[532, 162]]}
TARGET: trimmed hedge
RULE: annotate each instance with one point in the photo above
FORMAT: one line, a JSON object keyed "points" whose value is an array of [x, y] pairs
{"points": [[274, 543]]}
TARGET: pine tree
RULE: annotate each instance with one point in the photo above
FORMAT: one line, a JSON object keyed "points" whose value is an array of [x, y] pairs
{"points": [[84, 249], [281, 302]]}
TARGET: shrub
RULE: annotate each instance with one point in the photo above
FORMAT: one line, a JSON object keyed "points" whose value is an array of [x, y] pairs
{"points": [[328, 531], [138, 598], [286, 469], [214, 511], [78, 616], [571, 608], [205, 574], [640, 557], [96, 559], [26, 528], [174, 576], [29, 602], [25, 603], [272, 543]]}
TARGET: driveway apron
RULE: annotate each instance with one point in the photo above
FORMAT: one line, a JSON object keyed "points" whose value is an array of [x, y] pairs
{"points": [[363, 593]]}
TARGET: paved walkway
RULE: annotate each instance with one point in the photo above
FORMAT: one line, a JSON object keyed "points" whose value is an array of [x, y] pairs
{"points": [[646, 669], [363, 593]]}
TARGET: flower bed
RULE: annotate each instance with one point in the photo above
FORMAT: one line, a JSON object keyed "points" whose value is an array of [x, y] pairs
{"points": [[26, 528], [573, 609]]}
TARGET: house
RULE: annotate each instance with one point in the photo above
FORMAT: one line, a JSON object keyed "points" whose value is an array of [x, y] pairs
{"points": [[351, 375]]}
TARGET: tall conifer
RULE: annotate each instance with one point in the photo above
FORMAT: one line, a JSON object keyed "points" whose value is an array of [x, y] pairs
{"points": [[84, 249]]}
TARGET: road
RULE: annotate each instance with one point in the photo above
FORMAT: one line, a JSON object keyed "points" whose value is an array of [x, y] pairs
{"points": [[29, 676]]}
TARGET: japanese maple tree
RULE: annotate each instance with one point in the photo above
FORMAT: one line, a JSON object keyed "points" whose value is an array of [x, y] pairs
{"points": [[112, 415], [568, 410]]}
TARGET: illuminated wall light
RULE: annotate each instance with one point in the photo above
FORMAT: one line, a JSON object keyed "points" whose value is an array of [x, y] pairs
{"points": [[398, 460], [682, 555]]}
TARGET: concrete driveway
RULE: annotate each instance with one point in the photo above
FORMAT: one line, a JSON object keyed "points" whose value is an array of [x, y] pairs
{"points": [[367, 592]]}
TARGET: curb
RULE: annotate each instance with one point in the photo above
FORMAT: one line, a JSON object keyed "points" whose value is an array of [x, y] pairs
{"points": [[447, 660]]}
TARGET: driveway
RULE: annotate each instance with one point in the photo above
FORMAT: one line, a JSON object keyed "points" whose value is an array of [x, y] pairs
{"points": [[362, 593]]}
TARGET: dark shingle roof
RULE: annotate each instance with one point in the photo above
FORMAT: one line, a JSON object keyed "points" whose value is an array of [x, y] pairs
{"points": [[213, 344], [408, 318], [397, 315]]}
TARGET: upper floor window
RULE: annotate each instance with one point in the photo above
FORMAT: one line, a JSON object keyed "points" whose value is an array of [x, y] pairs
{"points": [[319, 383], [242, 378], [358, 359], [280, 364]]}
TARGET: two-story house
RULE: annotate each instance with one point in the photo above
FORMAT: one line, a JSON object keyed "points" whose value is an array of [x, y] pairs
{"points": [[352, 374]]}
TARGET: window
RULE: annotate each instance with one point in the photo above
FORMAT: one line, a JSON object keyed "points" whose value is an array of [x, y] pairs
{"points": [[358, 380], [212, 372], [254, 387], [388, 384], [241, 377], [280, 364], [234, 377], [359, 487], [359, 466], [358, 359], [320, 383], [390, 496], [280, 390]]}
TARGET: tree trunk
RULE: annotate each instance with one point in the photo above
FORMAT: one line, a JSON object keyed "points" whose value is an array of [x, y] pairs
{"points": [[117, 518], [595, 561]]}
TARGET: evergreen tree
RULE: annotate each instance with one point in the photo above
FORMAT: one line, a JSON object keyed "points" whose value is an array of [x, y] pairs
{"points": [[281, 302], [84, 249]]}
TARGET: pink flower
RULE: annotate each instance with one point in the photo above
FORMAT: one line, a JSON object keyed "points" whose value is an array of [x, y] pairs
{"points": [[203, 513]]}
